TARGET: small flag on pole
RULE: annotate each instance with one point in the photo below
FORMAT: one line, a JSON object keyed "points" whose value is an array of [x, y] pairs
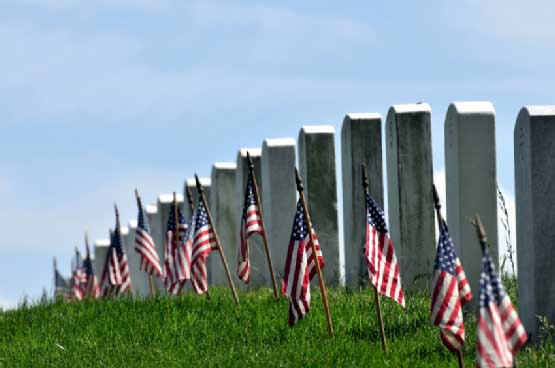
{"points": [[250, 224], [144, 245], [204, 242], [61, 285], [118, 268], [300, 267], [383, 269], [89, 286], [176, 264], [500, 332], [450, 290], [79, 276]]}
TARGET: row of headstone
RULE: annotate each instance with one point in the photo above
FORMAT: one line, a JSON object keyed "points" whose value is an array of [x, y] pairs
{"points": [[470, 161]]}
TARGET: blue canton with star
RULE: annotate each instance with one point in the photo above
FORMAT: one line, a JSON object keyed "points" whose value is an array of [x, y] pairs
{"points": [[115, 240], [202, 217], [171, 218], [300, 228], [446, 256], [142, 222], [249, 197], [491, 288], [376, 217]]}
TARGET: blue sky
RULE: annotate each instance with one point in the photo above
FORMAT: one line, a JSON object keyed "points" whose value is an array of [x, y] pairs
{"points": [[97, 98]]}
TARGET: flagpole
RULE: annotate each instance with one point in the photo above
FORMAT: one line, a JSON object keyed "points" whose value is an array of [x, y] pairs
{"points": [[190, 200], [376, 294], [264, 234], [221, 251], [300, 189], [437, 206], [150, 278], [89, 284]]}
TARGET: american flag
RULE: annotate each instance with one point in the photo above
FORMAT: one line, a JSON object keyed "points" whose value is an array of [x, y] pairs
{"points": [[79, 276], [500, 332], [251, 223], [176, 263], [450, 291], [383, 269], [300, 267], [204, 242], [144, 245], [62, 286], [89, 286], [118, 268]]}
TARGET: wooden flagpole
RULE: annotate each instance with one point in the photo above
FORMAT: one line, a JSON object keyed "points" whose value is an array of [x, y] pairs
{"points": [[300, 189], [202, 198], [437, 206], [376, 294], [150, 278], [190, 200], [264, 234]]}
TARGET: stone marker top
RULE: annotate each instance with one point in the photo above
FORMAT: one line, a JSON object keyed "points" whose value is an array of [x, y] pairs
{"points": [[124, 230], [225, 165], [102, 243], [410, 108], [279, 142], [168, 198], [311, 129], [133, 224], [151, 209], [363, 116], [539, 110], [191, 182], [474, 107], [254, 152]]}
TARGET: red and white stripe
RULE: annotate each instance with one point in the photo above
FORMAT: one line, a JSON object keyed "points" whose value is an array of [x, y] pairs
{"points": [[204, 242], [250, 224], [114, 267], [383, 269], [144, 245], [176, 263], [447, 310], [300, 268], [79, 280], [500, 335]]}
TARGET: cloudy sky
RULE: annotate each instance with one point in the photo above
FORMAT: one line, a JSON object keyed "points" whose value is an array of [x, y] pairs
{"points": [[99, 97]]}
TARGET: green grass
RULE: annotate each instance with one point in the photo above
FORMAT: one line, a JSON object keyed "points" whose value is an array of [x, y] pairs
{"points": [[193, 330]]}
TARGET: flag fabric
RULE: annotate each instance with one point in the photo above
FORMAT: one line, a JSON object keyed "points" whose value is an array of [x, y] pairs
{"points": [[176, 263], [62, 286], [500, 332], [300, 267], [104, 284], [251, 223], [89, 286], [79, 277], [144, 245], [450, 290], [118, 268], [204, 243], [383, 269]]}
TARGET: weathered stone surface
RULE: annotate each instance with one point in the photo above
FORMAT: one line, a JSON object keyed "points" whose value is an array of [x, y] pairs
{"points": [[155, 223], [260, 275], [534, 146], [470, 174], [317, 168], [100, 253], [410, 200], [361, 142], [223, 205], [277, 168], [139, 279]]}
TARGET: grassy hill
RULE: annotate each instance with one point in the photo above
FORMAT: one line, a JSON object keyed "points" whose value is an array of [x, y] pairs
{"points": [[177, 332]]}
